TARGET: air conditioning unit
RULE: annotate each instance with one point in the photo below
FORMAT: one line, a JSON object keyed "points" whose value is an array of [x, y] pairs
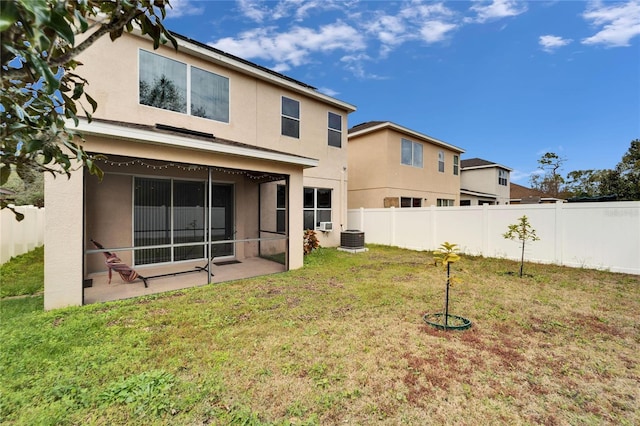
{"points": [[326, 226]]}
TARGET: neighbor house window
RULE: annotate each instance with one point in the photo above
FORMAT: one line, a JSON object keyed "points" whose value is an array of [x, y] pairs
{"points": [[502, 177], [175, 86], [465, 202], [443, 202], [441, 161], [410, 202], [456, 165], [281, 208], [411, 153], [316, 207], [290, 117], [335, 130]]}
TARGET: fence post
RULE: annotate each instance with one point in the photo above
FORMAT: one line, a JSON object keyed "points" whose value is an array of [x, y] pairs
{"points": [[433, 228], [361, 228], [485, 230], [558, 233], [392, 226]]}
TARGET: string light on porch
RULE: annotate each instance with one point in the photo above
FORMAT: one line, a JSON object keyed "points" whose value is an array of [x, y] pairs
{"points": [[189, 168]]}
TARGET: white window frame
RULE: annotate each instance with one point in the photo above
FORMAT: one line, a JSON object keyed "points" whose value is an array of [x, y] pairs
{"points": [[289, 117], [417, 158], [441, 161], [456, 165], [188, 87], [445, 202], [332, 130], [503, 178], [316, 209]]}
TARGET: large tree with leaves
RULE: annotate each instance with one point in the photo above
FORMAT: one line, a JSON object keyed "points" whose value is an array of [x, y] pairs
{"points": [[549, 181], [623, 181], [41, 90]]}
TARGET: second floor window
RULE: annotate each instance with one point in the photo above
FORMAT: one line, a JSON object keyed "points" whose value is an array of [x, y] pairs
{"points": [[290, 117], [456, 165], [175, 86], [411, 153], [441, 161], [335, 130], [502, 177]]}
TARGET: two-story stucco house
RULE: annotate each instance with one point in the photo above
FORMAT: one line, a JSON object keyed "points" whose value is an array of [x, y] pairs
{"points": [[206, 157], [393, 166], [484, 182]]}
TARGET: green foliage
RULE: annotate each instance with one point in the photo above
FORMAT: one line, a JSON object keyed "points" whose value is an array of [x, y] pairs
{"points": [[521, 231], [29, 190], [40, 88], [147, 393], [310, 241], [447, 253], [23, 274], [317, 345]]}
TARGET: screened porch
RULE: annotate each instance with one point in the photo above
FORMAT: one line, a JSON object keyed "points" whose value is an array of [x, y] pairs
{"points": [[180, 225]]}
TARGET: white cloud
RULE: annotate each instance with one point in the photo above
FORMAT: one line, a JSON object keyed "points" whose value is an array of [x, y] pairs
{"points": [[253, 9], [497, 9], [294, 47], [329, 92], [618, 22], [183, 8], [550, 43], [415, 21], [261, 11], [434, 31]]}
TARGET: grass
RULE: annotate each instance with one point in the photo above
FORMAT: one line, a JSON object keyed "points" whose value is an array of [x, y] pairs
{"points": [[340, 341], [23, 274]]}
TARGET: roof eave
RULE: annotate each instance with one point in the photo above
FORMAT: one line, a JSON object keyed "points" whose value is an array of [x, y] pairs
{"points": [[391, 125], [109, 130]]}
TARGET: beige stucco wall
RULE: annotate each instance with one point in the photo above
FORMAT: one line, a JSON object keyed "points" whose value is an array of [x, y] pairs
{"points": [[255, 112], [376, 172], [63, 245], [486, 180]]}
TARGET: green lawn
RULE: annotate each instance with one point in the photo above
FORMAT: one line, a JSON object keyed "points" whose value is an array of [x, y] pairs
{"points": [[340, 341], [23, 274]]}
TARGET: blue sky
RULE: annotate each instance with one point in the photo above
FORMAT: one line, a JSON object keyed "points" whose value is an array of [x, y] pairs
{"points": [[505, 80]]}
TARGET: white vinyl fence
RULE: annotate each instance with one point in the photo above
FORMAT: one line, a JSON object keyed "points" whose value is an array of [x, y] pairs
{"points": [[590, 235], [20, 237]]}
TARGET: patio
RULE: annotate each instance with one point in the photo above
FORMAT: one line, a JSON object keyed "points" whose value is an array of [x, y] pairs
{"points": [[101, 291]]}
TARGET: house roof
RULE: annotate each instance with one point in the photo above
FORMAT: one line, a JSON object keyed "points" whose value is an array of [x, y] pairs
{"points": [[185, 138], [479, 163], [519, 192], [478, 194], [373, 126], [211, 54]]}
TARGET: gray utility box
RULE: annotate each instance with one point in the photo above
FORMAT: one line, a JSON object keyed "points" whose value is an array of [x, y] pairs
{"points": [[352, 239]]}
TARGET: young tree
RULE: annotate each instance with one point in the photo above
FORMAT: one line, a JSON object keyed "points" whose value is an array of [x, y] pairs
{"points": [[523, 232], [550, 181], [40, 89]]}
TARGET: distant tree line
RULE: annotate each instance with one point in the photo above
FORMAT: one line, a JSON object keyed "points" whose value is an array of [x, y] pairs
{"points": [[621, 183]]}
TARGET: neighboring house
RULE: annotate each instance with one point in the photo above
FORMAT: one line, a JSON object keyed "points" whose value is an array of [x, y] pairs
{"points": [[178, 129], [523, 195], [483, 182], [392, 166]]}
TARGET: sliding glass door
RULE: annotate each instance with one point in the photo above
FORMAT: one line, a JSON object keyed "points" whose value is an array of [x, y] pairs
{"points": [[170, 217]]}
